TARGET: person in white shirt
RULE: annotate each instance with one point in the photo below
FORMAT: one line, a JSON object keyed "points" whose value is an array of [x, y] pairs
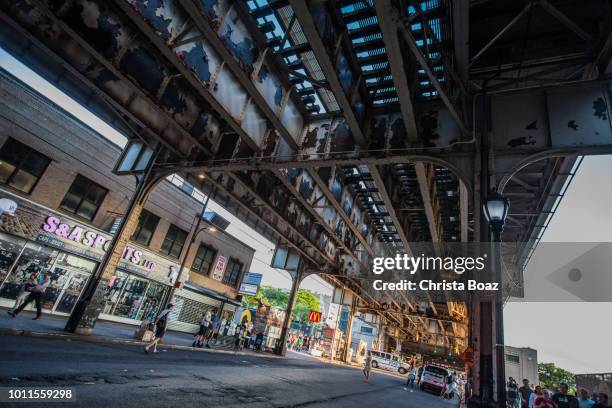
{"points": [[412, 372], [36, 294]]}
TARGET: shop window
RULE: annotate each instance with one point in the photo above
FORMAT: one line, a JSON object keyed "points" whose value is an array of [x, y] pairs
{"points": [[152, 303], [204, 259], [174, 241], [232, 273], [21, 166], [68, 279], [10, 247], [147, 222], [84, 197], [34, 259], [128, 291]]}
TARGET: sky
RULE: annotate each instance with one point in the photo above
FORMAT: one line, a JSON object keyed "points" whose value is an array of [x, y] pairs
{"points": [[574, 335]]}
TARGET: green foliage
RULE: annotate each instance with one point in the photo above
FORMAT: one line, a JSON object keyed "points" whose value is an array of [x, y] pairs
{"points": [[304, 303], [551, 376], [270, 296]]}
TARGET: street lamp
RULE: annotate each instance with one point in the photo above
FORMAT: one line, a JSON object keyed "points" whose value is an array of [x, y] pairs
{"points": [[496, 210]]}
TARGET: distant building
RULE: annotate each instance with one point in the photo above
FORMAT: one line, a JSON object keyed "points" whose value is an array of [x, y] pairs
{"points": [[363, 331], [522, 363], [595, 383]]}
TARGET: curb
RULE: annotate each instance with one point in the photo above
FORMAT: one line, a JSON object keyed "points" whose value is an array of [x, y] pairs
{"points": [[108, 340]]}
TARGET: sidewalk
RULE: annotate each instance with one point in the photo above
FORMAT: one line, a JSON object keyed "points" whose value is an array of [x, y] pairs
{"points": [[104, 332]]}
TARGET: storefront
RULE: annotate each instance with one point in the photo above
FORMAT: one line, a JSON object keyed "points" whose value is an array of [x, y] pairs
{"points": [[192, 301], [34, 238]]}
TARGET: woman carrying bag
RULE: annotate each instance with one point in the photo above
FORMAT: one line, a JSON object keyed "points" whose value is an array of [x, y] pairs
{"points": [[161, 323]]}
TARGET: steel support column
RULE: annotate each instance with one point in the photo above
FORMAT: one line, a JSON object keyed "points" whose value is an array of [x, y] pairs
{"points": [[91, 303], [281, 345]]}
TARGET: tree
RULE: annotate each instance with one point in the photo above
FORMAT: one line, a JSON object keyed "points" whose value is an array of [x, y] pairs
{"points": [[305, 302], [551, 376], [267, 295]]}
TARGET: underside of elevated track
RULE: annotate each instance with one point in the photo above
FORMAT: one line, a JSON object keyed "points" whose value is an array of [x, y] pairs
{"points": [[348, 130]]}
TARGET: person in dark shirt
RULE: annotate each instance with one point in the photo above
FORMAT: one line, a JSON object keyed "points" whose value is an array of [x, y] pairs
{"points": [[561, 397], [602, 401], [525, 392]]}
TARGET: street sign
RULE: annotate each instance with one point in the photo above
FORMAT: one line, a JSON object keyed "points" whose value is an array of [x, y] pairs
{"points": [[248, 289], [314, 316], [252, 278], [250, 283]]}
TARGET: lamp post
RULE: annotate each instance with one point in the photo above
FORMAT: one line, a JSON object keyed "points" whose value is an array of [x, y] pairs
{"points": [[195, 234], [496, 210]]}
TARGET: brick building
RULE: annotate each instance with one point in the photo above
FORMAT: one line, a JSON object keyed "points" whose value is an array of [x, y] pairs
{"points": [[60, 203]]}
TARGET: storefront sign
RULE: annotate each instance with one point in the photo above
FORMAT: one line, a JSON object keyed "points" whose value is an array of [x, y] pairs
{"points": [[314, 316], [332, 314], [31, 221], [219, 267], [88, 242]]}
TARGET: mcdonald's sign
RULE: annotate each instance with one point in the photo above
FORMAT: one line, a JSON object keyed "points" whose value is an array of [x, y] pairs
{"points": [[314, 316]]}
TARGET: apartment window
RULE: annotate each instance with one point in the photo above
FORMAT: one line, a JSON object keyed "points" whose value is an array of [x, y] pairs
{"points": [[232, 273], [174, 241], [20, 166], [147, 222], [204, 259], [84, 197], [512, 358], [366, 329]]}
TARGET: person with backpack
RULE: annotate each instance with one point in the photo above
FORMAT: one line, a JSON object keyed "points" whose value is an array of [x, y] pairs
{"points": [[161, 323]]}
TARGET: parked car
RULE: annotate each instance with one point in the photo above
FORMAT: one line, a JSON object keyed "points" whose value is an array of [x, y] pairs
{"points": [[433, 378], [388, 361]]}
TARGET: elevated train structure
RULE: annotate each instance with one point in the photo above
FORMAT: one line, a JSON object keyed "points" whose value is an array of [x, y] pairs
{"points": [[346, 130]]}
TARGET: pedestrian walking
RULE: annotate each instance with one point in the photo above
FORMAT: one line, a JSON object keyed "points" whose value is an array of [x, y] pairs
{"points": [[25, 289], [367, 365], [536, 393], [200, 336], [512, 394], [525, 393], [161, 323], [412, 372], [584, 401], [561, 398], [212, 328], [545, 401], [450, 387], [602, 401], [35, 295], [420, 373]]}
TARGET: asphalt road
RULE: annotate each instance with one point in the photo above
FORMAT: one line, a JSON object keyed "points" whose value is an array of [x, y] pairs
{"points": [[123, 376]]}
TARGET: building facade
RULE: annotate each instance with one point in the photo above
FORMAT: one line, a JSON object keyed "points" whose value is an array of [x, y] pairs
{"points": [[60, 204], [522, 363]]}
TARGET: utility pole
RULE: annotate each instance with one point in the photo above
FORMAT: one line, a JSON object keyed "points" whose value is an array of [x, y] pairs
{"points": [[194, 235]]}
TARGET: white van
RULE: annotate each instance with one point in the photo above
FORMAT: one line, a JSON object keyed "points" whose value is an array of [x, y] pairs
{"points": [[388, 361]]}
